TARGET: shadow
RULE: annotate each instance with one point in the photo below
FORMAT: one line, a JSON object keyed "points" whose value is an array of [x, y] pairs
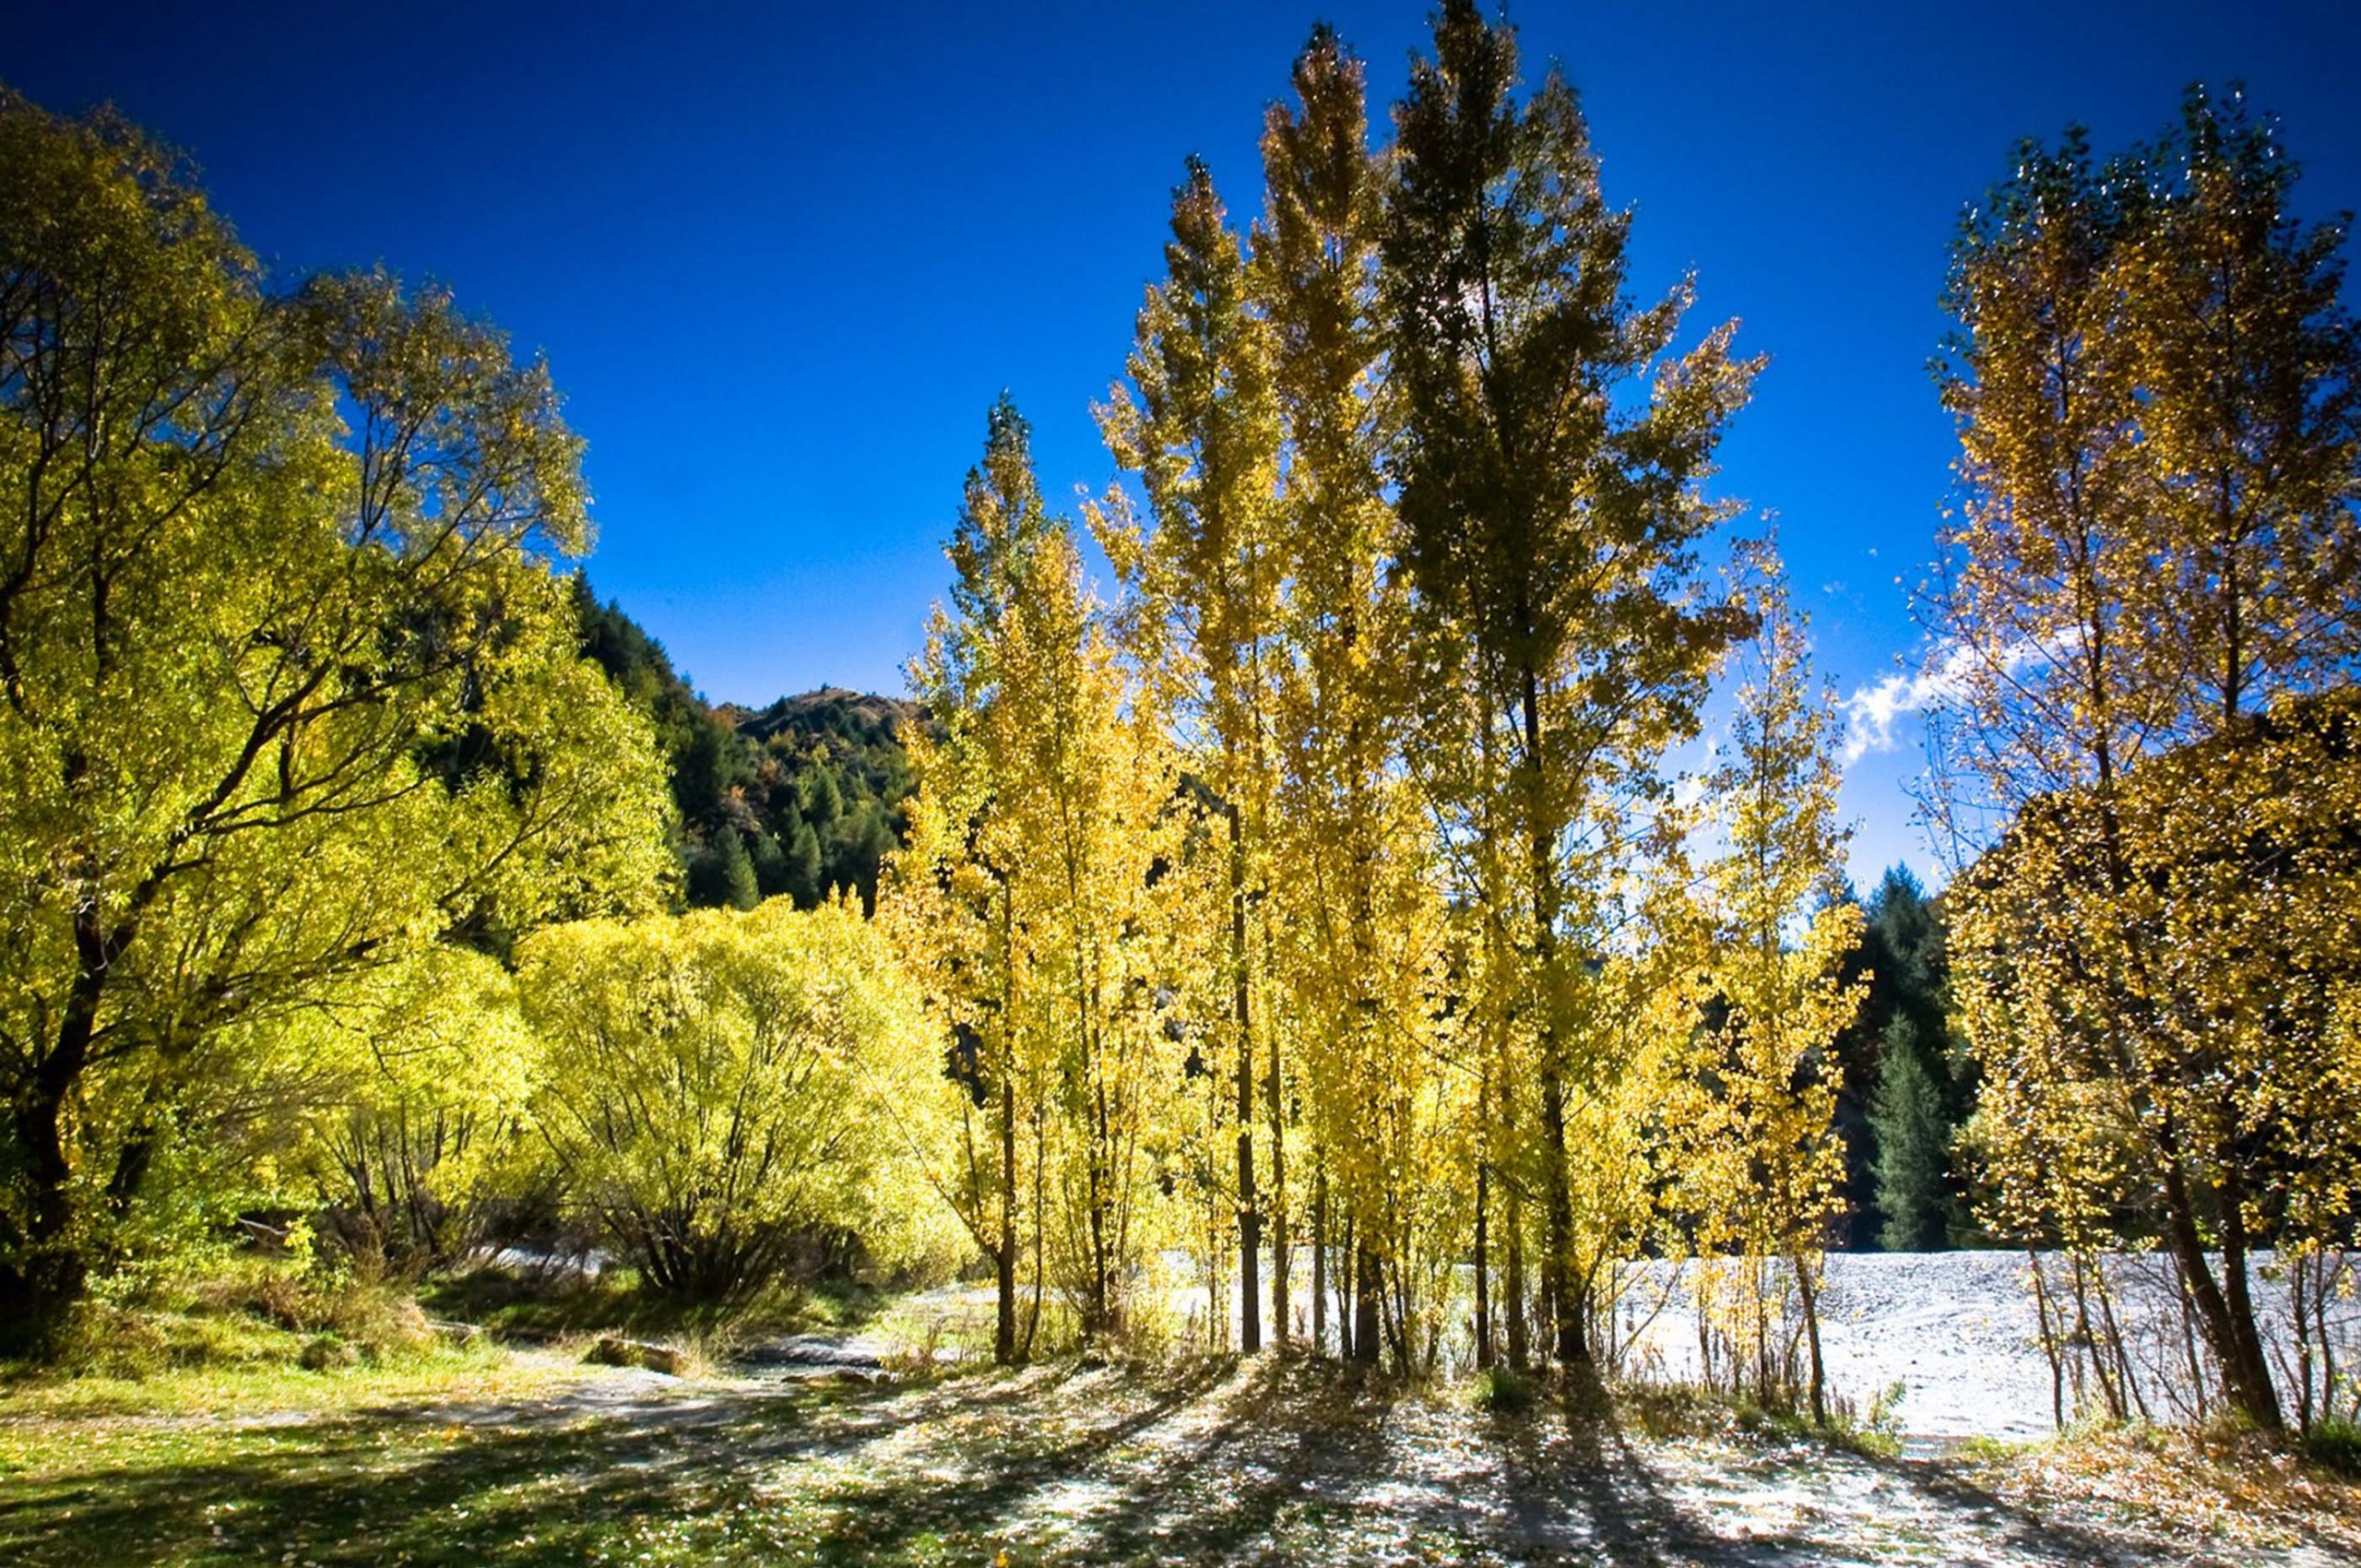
{"points": [[1274, 1460]]}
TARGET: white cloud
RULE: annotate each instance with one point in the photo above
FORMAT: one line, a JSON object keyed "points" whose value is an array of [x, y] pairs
{"points": [[1870, 711]]}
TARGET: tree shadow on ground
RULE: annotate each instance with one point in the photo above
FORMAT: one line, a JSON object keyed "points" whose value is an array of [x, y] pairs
{"points": [[1276, 1460]]}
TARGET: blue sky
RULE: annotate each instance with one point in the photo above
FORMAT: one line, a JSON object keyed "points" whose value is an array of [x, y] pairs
{"points": [[781, 258]]}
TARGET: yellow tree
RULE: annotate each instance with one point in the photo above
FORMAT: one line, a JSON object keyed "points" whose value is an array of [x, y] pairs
{"points": [[1200, 424], [2154, 383], [1358, 926], [1029, 899], [288, 687], [722, 1087], [1550, 471], [1770, 1159]]}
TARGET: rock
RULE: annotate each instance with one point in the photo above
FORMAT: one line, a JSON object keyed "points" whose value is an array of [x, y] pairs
{"points": [[612, 1350], [325, 1352]]}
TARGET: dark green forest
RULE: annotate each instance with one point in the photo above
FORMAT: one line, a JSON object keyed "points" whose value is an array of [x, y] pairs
{"points": [[801, 798]]}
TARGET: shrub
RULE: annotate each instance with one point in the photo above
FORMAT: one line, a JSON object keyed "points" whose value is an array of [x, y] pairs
{"points": [[722, 1087]]}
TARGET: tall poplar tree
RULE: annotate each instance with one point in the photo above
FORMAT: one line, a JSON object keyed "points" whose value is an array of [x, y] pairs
{"points": [[1028, 900], [1549, 471], [1781, 936], [1200, 424], [1360, 929]]}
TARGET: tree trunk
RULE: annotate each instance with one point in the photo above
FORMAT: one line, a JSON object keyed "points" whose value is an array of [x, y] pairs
{"points": [[1344, 1292], [1276, 1107], [1483, 1263], [2227, 1322], [1520, 1347], [1810, 1293], [1004, 1255], [1319, 1255], [1557, 1272], [38, 1291], [1367, 1286], [1250, 1221], [1558, 1214]]}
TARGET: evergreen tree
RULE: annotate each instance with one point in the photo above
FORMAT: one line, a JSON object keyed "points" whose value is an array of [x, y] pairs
{"points": [[801, 867], [1903, 956], [722, 877], [770, 865], [1913, 1130]]}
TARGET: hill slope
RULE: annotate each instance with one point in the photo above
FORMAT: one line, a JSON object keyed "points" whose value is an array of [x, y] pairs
{"points": [[801, 798]]}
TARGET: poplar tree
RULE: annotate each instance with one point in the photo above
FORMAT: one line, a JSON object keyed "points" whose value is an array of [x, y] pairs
{"points": [[1549, 472], [1200, 425], [951, 893], [1359, 928], [1027, 900], [1780, 938]]}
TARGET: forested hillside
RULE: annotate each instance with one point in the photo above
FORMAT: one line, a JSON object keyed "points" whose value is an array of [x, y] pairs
{"points": [[800, 798]]}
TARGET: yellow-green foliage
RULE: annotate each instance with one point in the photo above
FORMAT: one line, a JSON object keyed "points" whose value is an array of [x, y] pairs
{"points": [[1036, 904], [416, 1122], [2148, 617], [721, 1088], [288, 687], [1759, 1158]]}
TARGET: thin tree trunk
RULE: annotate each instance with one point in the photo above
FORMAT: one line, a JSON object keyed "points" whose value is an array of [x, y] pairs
{"points": [[1249, 1223], [1367, 1288], [1004, 1259], [1275, 1107], [1320, 1255], [1345, 1292], [1483, 1263], [1520, 1347], [1810, 1294]]}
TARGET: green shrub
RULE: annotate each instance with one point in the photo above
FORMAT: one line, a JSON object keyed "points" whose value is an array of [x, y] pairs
{"points": [[1503, 1392], [2334, 1444]]}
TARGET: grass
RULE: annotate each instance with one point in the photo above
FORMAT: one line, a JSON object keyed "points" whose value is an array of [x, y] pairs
{"points": [[519, 1307], [2336, 1445]]}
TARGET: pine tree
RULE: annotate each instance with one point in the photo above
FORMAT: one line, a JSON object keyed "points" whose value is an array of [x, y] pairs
{"points": [[801, 865], [1913, 1134]]}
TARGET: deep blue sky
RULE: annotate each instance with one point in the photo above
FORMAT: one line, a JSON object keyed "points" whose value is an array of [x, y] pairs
{"points": [[781, 258]]}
